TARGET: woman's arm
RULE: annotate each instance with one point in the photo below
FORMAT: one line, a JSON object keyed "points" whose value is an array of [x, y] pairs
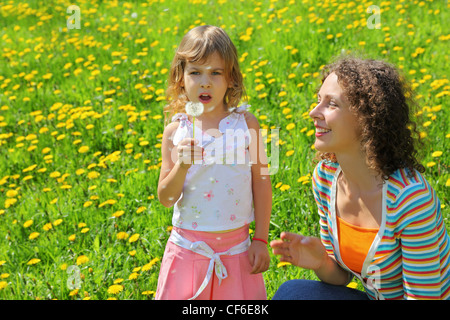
{"points": [[424, 242], [309, 253]]}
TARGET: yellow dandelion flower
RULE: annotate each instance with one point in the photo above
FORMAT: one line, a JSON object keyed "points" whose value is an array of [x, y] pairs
{"points": [[33, 261], [132, 253], [73, 293], [436, 154], [290, 153], [47, 226], [72, 237], [303, 179], [10, 202], [259, 87], [118, 213], [122, 235], [11, 193], [115, 289], [87, 204], [82, 259], [447, 184], [27, 223], [55, 174], [149, 292], [352, 285], [140, 209], [133, 276], [290, 126], [93, 174], [134, 238], [150, 264], [283, 264], [3, 285], [83, 149], [109, 201], [33, 235]]}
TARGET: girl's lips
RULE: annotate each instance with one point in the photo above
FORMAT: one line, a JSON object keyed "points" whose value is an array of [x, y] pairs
{"points": [[204, 98]]}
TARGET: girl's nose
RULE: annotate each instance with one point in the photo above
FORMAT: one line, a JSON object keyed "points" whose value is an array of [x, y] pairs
{"points": [[206, 83]]}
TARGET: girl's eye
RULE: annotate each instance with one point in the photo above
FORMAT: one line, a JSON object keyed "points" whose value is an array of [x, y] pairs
{"points": [[194, 72]]}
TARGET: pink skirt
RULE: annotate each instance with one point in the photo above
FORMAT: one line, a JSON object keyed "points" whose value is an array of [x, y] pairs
{"points": [[183, 271]]}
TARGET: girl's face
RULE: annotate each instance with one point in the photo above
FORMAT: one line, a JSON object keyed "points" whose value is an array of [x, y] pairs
{"points": [[205, 82], [336, 127]]}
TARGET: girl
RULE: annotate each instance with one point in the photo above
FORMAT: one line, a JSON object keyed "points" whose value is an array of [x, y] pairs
{"points": [[380, 220], [216, 181]]}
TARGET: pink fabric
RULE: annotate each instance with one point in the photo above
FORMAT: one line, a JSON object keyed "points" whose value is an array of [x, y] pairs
{"points": [[183, 271]]}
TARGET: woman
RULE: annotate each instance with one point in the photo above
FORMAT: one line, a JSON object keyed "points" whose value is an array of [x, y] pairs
{"points": [[380, 220]]}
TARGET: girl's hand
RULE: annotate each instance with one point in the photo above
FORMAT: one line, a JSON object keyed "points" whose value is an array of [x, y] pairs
{"points": [[259, 257], [188, 152], [301, 251]]}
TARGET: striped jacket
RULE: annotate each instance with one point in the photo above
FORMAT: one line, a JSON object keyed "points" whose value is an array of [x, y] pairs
{"points": [[410, 255]]}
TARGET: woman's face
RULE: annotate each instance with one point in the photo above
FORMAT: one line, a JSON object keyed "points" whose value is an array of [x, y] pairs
{"points": [[205, 82], [337, 129]]}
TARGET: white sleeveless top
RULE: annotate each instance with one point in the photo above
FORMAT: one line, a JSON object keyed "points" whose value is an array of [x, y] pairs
{"points": [[217, 194]]}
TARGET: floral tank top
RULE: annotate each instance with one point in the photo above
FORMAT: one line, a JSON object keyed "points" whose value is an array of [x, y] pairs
{"points": [[217, 193]]}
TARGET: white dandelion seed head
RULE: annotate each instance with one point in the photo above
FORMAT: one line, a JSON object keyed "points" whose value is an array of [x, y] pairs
{"points": [[194, 109]]}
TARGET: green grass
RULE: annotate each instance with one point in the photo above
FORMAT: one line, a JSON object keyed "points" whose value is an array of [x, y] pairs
{"points": [[63, 89]]}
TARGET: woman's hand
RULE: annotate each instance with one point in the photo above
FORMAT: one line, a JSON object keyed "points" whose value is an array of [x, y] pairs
{"points": [[301, 251], [259, 257]]}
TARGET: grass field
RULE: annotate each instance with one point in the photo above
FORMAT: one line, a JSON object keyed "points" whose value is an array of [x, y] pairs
{"points": [[81, 124]]}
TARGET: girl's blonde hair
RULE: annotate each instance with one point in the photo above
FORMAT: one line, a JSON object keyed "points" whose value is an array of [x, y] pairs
{"points": [[197, 46]]}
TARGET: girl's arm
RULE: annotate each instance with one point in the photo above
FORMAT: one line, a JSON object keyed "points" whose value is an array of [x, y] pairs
{"points": [[262, 196], [173, 168]]}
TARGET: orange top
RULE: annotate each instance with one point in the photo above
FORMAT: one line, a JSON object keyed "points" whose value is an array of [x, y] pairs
{"points": [[354, 243]]}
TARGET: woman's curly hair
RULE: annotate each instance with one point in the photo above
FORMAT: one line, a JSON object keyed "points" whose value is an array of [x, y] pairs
{"points": [[380, 98]]}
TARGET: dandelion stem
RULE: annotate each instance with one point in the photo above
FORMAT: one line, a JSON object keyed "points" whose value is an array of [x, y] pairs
{"points": [[193, 132], [193, 127]]}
